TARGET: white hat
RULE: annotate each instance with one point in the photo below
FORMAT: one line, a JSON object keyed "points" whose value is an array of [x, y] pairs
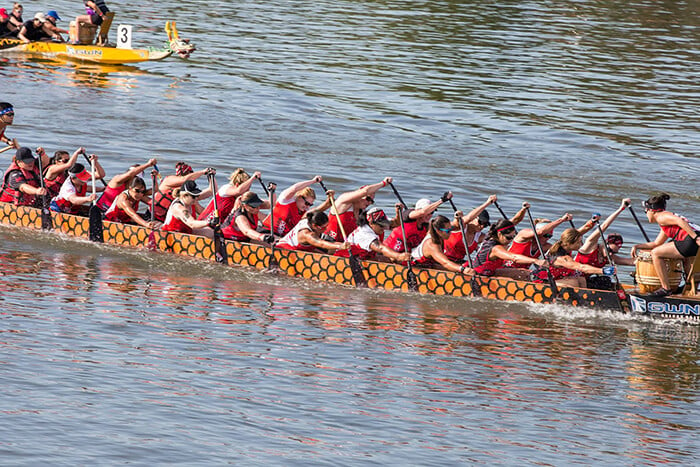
{"points": [[422, 203], [40, 17]]}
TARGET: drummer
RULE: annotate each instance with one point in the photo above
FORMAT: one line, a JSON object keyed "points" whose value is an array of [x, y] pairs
{"points": [[684, 235]]}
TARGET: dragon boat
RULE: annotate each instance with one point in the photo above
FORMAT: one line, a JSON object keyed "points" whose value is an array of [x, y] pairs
{"points": [[101, 51], [375, 275]]}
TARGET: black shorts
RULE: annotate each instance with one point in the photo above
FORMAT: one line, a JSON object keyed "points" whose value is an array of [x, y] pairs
{"points": [[687, 247], [96, 19]]}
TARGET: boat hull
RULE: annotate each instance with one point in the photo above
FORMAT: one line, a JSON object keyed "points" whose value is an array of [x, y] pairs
{"points": [[379, 275], [83, 53]]}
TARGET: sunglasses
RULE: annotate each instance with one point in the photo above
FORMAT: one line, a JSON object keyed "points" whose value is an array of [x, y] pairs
{"points": [[369, 199], [139, 191], [307, 203], [445, 230], [9, 114]]}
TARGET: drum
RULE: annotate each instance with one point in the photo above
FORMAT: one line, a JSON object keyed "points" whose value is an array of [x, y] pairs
{"points": [[647, 279]]}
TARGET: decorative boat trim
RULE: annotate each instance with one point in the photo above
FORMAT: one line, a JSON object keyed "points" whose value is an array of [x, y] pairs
{"points": [[379, 275]]}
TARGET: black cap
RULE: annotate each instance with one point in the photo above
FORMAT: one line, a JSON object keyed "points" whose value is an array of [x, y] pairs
{"points": [[484, 218], [24, 155], [251, 199], [191, 188]]}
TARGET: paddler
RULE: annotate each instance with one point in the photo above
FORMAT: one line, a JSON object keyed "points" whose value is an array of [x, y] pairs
{"points": [[366, 240], [493, 253], [292, 204], [241, 225], [415, 223], [22, 181], [524, 242], [182, 213], [56, 171], [684, 235], [306, 235], [429, 252], [72, 198], [183, 173], [120, 182], [226, 195], [125, 207]]}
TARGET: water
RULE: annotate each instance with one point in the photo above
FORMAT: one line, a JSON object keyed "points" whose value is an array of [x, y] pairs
{"points": [[112, 356]]}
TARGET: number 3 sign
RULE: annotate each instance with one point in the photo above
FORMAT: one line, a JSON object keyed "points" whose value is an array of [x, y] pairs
{"points": [[124, 36]]}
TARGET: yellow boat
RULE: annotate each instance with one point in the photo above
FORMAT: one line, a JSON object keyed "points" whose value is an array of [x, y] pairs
{"points": [[95, 53]]}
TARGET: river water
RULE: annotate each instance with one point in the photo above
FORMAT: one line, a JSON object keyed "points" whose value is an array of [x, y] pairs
{"points": [[112, 356]]}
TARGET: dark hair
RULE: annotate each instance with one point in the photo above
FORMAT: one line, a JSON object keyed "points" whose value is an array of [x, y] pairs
{"points": [[137, 182], [57, 155], [436, 223], [361, 219], [317, 218], [484, 218], [503, 224], [5, 105], [76, 169], [657, 202]]}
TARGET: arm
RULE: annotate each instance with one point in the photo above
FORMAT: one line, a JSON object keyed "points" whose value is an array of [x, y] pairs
{"points": [[288, 194], [667, 218], [520, 215], [99, 171], [344, 201], [432, 251], [21, 35], [592, 241], [30, 190], [249, 231], [119, 180], [184, 215], [243, 187], [416, 213], [325, 205], [499, 251], [174, 181], [658, 241], [80, 200], [306, 236], [474, 213], [55, 169], [389, 253], [549, 228], [123, 204]]}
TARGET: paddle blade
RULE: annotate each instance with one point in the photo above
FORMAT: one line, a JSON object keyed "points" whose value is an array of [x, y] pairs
{"points": [[46, 220], [220, 247], [357, 271], [475, 283], [152, 245], [412, 280], [96, 234]]}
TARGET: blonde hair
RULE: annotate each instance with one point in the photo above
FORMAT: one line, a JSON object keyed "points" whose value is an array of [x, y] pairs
{"points": [[568, 238], [307, 192], [239, 176]]}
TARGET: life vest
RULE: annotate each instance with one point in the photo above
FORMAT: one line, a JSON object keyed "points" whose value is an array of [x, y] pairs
{"points": [[360, 240], [347, 220], [414, 235], [594, 258], [63, 204], [54, 186], [291, 240], [117, 214], [454, 246], [173, 224], [16, 196], [230, 230], [528, 249], [224, 203], [161, 204], [108, 196], [484, 264], [286, 217]]}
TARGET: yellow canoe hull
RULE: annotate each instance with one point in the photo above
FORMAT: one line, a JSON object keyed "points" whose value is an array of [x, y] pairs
{"points": [[83, 53]]}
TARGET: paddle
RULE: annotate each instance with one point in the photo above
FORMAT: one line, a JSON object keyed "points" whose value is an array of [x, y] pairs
{"points": [[355, 264], [46, 221], [219, 244], [476, 290], [639, 224], [273, 265], [154, 189], [550, 277], [9, 146], [495, 203], [411, 276], [621, 295], [89, 162], [96, 234]]}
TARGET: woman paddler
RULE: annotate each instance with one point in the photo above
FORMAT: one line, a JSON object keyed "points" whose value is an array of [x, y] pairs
{"points": [[306, 235], [415, 224], [125, 207], [292, 204], [165, 196], [182, 213], [349, 207], [493, 253], [241, 225], [474, 223], [72, 198], [119, 183], [366, 239], [524, 242], [593, 252], [430, 251], [566, 271], [226, 195], [56, 172], [684, 235]]}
